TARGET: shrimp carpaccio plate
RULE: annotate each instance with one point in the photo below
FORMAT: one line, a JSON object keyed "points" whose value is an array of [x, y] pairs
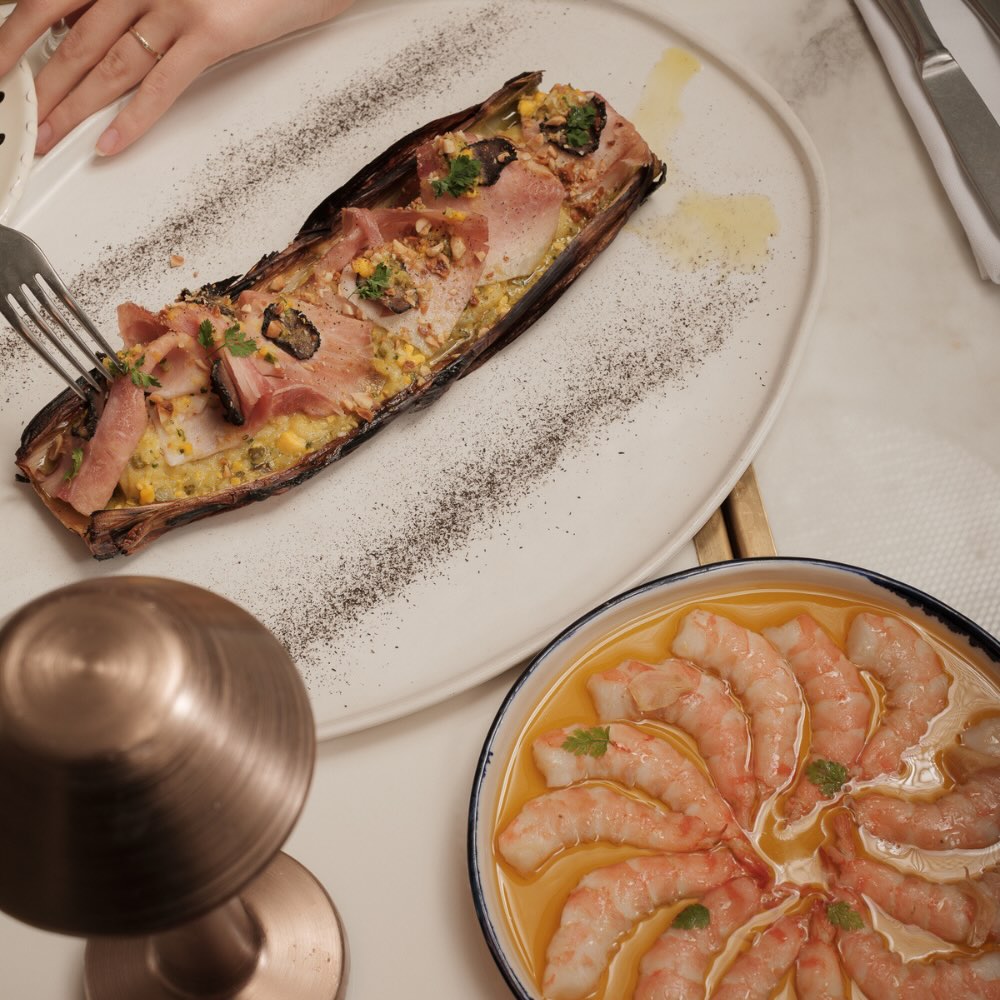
{"points": [[764, 778]]}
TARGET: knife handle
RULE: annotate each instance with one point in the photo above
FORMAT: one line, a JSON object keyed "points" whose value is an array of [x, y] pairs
{"points": [[915, 28]]}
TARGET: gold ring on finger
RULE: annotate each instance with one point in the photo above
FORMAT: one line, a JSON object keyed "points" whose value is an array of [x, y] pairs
{"points": [[142, 41]]}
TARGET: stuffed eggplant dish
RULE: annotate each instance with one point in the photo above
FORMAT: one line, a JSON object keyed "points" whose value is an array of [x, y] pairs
{"points": [[441, 251]]}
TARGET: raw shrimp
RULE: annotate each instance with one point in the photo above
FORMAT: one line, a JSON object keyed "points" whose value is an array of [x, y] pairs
{"points": [[818, 975], [638, 760], [678, 693], [674, 968], [966, 818], [965, 912], [608, 902], [557, 820], [762, 682], [757, 972], [840, 706], [915, 682], [880, 972]]}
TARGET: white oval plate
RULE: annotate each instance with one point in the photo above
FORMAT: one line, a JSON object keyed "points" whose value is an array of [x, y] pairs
{"points": [[572, 465], [18, 125], [751, 576]]}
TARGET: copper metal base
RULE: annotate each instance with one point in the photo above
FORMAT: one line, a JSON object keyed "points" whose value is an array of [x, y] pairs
{"points": [[280, 939]]}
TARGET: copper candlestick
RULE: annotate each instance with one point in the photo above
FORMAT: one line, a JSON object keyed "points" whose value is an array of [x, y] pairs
{"points": [[156, 747]]}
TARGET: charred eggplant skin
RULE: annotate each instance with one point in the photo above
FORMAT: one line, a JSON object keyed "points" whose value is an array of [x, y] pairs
{"points": [[391, 175]]}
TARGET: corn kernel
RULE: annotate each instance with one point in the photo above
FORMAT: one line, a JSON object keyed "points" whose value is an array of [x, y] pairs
{"points": [[186, 448], [238, 466], [363, 267], [526, 107], [454, 213], [291, 444], [146, 493]]}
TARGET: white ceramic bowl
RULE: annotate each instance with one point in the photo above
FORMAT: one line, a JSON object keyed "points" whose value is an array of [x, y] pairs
{"points": [[692, 586]]}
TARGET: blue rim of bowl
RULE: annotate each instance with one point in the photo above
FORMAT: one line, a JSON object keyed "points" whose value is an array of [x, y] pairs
{"points": [[954, 621]]}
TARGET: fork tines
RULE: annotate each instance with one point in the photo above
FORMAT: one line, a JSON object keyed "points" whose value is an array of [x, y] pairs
{"points": [[41, 309]]}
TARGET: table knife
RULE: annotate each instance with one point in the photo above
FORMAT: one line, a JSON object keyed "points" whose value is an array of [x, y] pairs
{"points": [[973, 132], [989, 13]]}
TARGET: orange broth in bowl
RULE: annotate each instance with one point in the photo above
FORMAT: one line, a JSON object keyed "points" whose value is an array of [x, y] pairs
{"points": [[531, 905]]}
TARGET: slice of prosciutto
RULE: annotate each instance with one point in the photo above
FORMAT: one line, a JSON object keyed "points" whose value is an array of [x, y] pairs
{"points": [[435, 259], [589, 175], [121, 425], [520, 198], [268, 383]]}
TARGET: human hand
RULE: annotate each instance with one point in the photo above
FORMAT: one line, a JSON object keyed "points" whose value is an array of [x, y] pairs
{"points": [[161, 45]]}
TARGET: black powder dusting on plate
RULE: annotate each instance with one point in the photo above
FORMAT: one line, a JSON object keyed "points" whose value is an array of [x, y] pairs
{"points": [[624, 363]]}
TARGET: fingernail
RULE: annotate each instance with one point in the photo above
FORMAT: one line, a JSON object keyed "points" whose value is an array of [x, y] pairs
{"points": [[108, 142], [43, 137]]}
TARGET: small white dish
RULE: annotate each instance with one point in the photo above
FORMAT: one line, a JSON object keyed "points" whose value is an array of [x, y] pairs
{"points": [[681, 590], [18, 126]]}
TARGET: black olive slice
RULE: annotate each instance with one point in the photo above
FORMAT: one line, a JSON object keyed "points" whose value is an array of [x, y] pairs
{"points": [[560, 133], [296, 334], [395, 301], [493, 155], [222, 386]]}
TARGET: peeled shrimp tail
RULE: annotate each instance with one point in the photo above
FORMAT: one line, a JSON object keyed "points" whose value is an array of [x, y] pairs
{"points": [[756, 973], [963, 912], [840, 706], [818, 973], [880, 972], [966, 818], [608, 902], [675, 966], [915, 682], [637, 760], [698, 703], [563, 819], [762, 682]]}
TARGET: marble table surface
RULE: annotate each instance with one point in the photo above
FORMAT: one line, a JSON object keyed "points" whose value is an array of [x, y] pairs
{"points": [[886, 455]]}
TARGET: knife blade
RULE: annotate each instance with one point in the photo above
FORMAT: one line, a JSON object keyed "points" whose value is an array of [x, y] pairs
{"points": [[973, 132], [989, 13]]}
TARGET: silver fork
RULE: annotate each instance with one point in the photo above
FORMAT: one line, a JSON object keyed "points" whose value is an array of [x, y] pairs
{"points": [[29, 288]]}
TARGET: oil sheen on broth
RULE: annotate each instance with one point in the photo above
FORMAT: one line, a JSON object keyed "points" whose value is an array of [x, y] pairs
{"points": [[533, 904]]}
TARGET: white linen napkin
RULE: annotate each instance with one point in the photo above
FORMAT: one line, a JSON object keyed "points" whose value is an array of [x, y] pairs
{"points": [[964, 35]]}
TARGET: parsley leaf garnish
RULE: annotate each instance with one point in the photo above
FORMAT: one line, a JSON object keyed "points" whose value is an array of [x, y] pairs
{"points": [[579, 122], [234, 340], [375, 286], [463, 172], [828, 776], [841, 915], [206, 334], [589, 742], [238, 343], [138, 376], [77, 456], [693, 917]]}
